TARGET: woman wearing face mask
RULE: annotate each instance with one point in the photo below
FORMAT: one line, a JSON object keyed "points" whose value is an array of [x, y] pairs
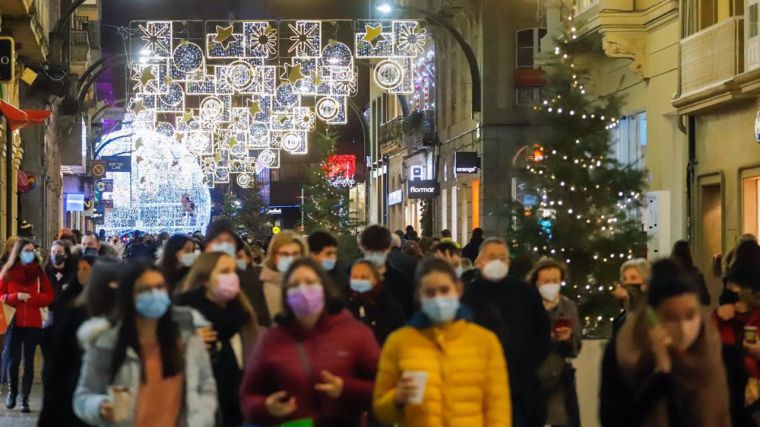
{"points": [[630, 292], [60, 267], [557, 374], [317, 364], [146, 370], [664, 366], [25, 287], [96, 300], [250, 285], [411, 388], [284, 248], [212, 287], [178, 256], [371, 304]]}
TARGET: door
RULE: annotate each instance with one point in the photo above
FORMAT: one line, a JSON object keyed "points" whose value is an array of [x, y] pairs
{"points": [[710, 232]]}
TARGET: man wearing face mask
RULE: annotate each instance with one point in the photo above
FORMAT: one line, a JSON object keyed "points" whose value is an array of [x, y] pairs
{"points": [[323, 248], [221, 237], [513, 310], [375, 242]]}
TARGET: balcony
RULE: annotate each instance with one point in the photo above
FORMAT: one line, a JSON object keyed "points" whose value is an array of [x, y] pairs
{"points": [[28, 22], [583, 5], [712, 56]]}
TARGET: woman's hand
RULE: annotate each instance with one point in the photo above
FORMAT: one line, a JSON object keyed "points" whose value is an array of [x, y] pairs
{"points": [[106, 411], [661, 342], [620, 293], [279, 405], [753, 348], [332, 385], [207, 334], [23, 296], [564, 334], [406, 388]]}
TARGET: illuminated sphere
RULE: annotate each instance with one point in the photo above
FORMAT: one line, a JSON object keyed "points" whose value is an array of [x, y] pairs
{"points": [[165, 190]]}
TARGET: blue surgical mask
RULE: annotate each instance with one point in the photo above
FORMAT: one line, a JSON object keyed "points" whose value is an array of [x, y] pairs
{"points": [[460, 271], [361, 285], [283, 264], [329, 263], [225, 247], [152, 304], [377, 258], [188, 259], [241, 264], [27, 257], [440, 309]]}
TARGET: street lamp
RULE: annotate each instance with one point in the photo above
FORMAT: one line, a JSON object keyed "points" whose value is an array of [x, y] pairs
{"points": [[385, 7]]}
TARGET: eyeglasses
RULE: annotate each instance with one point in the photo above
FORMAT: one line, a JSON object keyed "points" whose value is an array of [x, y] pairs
{"points": [[291, 254]]}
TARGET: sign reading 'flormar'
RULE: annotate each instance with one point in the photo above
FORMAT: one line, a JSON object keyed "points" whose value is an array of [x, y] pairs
{"points": [[422, 189]]}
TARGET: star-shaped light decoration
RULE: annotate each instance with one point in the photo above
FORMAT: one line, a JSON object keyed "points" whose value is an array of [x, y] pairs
{"points": [[187, 116], [373, 35], [254, 108], [316, 79], [138, 106], [292, 73], [232, 141], [224, 36], [138, 143], [147, 75]]}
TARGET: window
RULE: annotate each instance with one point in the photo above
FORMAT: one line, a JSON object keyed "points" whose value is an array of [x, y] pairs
{"points": [[527, 46], [753, 20], [629, 140]]}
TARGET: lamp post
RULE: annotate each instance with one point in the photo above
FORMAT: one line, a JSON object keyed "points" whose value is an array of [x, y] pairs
{"points": [[386, 7]]}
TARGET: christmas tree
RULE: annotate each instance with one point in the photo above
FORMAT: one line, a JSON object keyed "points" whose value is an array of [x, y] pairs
{"points": [[325, 205], [251, 218], [575, 202]]}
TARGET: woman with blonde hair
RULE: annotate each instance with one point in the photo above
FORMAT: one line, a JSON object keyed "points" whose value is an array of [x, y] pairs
{"points": [[284, 248], [212, 287]]}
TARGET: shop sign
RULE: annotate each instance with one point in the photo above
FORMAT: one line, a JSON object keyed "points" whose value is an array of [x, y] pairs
{"points": [[118, 163], [757, 127], [7, 59], [395, 197], [423, 189], [274, 211], [466, 162]]}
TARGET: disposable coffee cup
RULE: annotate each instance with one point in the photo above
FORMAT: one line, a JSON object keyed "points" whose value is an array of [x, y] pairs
{"points": [[750, 334], [420, 379], [121, 400]]}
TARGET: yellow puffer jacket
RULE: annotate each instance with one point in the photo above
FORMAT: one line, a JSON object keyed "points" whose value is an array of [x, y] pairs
{"points": [[467, 377]]}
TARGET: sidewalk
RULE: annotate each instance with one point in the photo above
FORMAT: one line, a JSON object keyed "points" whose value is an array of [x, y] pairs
{"points": [[14, 418]]}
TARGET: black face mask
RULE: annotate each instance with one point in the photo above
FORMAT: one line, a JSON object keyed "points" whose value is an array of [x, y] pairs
{"points": [[729, 297], [58, 259], [91, 251], [635, 294]]}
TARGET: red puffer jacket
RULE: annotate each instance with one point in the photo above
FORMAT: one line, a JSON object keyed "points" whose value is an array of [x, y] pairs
{"points": [[288, 359], [30, 279]]}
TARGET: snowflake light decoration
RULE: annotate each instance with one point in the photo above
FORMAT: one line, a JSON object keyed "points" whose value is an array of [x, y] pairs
{"points": [[261, 39], [157, 36], [306, 39]]}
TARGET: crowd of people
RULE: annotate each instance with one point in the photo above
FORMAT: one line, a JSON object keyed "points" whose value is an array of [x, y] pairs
{"points": [[218, 330]]}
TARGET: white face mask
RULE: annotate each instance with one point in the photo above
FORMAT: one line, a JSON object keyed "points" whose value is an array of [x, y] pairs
{"points": [[495, 270], [549, 291]]}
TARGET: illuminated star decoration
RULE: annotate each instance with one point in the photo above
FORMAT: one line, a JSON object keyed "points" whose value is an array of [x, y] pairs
{"points": [[224, 36], [147, 75], [138, 106], [373, 35], [254, 108], [155, 37], [303, 38], [187, 116], [292, 73], [315, 78]]}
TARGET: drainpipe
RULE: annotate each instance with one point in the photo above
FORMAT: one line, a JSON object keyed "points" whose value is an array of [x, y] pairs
{"points": [[692, 138]]}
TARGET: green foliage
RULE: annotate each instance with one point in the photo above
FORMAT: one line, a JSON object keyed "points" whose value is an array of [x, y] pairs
{"points": [[244, 211], [575, 201], [325, 206]]}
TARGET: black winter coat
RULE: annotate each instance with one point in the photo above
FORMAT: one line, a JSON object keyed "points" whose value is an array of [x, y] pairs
{"points": [[400, 289], [381, 314], [513, 310]]}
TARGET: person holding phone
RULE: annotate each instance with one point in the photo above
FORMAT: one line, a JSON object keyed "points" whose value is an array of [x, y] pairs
{"points": [[442, 369], [664, 367], [147, 370], [557, 374], [317, 366]]}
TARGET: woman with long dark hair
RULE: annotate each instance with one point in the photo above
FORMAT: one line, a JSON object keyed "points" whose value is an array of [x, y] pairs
{"points": [[212, 287], [178, 256], [146, 370], [25, 287], [96, 300], [317, 364]]}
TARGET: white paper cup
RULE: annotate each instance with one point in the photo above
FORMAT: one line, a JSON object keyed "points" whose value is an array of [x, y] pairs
{"points": [[122, 402], [420, 379]]}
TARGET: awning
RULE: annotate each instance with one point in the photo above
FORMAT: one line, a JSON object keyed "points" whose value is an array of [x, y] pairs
{"points": [[19, 119]]}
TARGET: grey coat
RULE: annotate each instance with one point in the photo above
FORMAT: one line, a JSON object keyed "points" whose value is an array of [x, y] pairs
{"points": [[200, 403]]}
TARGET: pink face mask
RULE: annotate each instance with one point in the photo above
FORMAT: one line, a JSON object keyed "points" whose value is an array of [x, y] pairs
{"points": [[227, 286], [306, 300]]}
